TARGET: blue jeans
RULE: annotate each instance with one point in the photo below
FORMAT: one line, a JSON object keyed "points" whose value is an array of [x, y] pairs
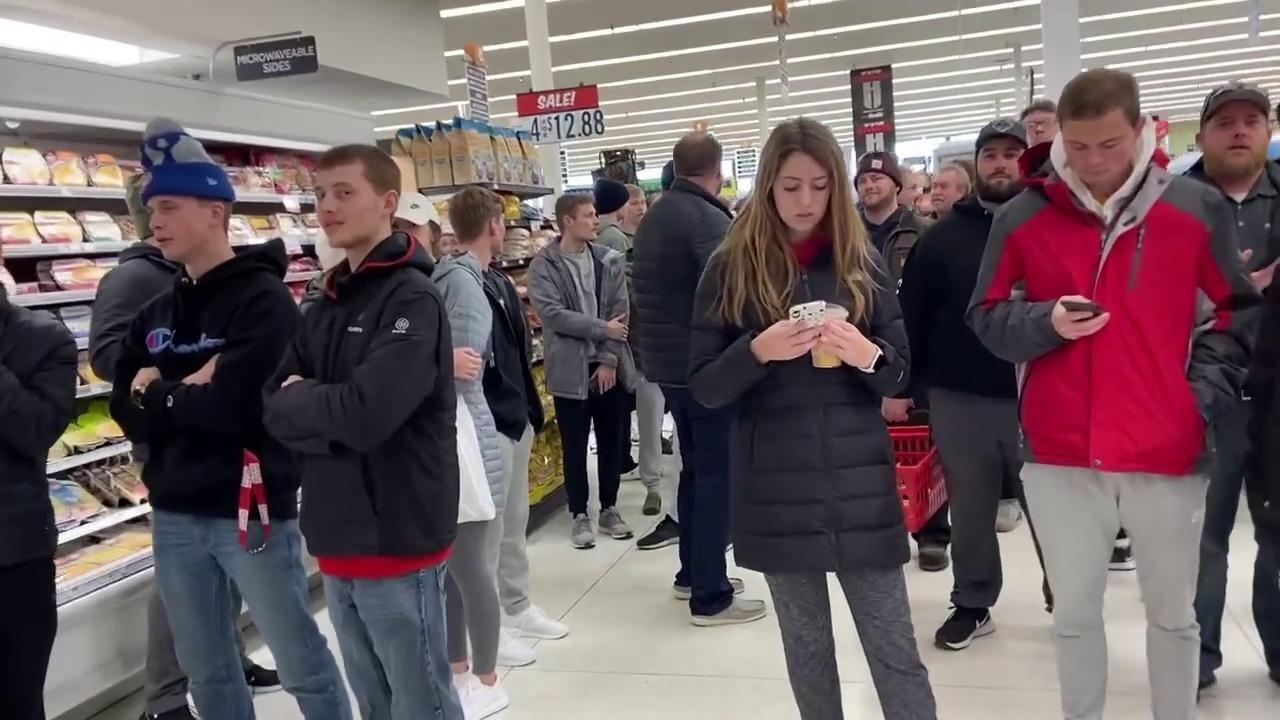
{"points": [[703, 500], [1221, 504], [197, 558], [392, 636]]}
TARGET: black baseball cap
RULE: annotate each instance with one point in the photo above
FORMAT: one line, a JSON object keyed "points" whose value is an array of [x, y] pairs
{"points": [[1001, 128], [1235, 92]]}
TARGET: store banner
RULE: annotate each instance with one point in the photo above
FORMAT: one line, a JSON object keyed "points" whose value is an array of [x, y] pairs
{"points": [[552, 116], [873, 122], [276, 58], [477, 83]]}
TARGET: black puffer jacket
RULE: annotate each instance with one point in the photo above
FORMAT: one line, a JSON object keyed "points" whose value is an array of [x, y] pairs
{"points": [[672, 246], [37, 400], [813, 485], [1263, 468]]}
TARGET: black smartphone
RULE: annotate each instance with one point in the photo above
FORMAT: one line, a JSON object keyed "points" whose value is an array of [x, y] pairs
{"points": [[1089, 307]]}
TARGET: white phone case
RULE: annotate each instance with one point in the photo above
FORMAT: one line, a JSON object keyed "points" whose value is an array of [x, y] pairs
{"points": [[811, 313]]}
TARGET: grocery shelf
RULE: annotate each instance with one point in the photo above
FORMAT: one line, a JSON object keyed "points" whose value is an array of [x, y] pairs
{"points": [[94, 390], [58, 191], [524, 192], [103, 522], [93, 456], [104, 576], [43, 299], [106, 193], [43, 250], [307, 276]]}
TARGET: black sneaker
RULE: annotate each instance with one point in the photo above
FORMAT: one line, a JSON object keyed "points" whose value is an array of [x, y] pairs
{"points": [[182, 713], [962, 626], [629, 465], [933, 558], [666, 532], [262, 681], [1122, 557]]}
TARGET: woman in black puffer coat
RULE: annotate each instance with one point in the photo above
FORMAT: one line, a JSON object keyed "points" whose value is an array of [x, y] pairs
{"points": [[812, 468]]}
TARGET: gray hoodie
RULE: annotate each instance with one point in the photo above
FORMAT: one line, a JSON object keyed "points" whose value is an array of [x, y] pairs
{"points": [[460, 279], [572, 339]]}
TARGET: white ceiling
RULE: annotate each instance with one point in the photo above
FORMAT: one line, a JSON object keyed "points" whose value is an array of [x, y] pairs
{"points": [[367, 50], [664, 64]]}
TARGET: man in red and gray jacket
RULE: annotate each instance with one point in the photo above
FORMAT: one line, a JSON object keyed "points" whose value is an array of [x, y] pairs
{"points": [[1118, 287]]}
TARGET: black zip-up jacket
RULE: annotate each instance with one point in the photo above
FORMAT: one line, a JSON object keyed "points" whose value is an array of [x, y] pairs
{"points": [[508, 380], [242, 313], [937, 284], [672, 246], [142, 274], [373, 419], [37, 400], [811, 466], [1263, 386]]}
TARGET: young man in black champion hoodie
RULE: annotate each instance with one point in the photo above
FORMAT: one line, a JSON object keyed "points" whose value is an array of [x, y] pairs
{"points": [[189, 385], [143, 273], [365, 397]]}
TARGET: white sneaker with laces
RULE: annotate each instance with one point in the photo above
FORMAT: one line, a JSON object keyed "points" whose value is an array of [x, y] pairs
{"points": [[480, 701], [1008, 516], [532, 622], [512, 652]]}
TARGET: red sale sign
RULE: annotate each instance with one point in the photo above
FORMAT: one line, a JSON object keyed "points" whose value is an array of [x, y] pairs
{"points": [[542, 102]]}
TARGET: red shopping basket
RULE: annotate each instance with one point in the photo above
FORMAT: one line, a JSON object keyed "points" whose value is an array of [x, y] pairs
{"points": [[921, 482]]}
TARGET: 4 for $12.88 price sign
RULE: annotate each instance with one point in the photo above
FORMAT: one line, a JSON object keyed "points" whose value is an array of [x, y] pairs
{"points": [[552, 116]]}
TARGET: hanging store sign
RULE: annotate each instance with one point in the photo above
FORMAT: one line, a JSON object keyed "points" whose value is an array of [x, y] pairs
{"points": [[477, 83], [780, 16], [544, 102], [745, 162], [276, 58], [552, 116], [873, 123], [561, 126]]}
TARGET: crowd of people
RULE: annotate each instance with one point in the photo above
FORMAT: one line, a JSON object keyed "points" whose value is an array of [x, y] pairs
{"points": [[1079, 325]]}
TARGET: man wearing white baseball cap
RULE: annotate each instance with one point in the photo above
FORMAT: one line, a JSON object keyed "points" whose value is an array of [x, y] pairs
{"points": [[415, 213]]}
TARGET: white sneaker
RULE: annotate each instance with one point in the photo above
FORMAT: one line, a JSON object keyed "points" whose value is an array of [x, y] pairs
{"points": [[191, 706], [1009, 516], [532, 622], [480, 701], [512, 652]]}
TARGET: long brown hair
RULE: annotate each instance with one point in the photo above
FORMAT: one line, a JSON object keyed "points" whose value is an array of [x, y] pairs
{"points": [[760, 270]]}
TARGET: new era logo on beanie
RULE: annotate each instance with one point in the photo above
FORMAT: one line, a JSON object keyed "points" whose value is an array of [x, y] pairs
{"points": [[177, 164]]}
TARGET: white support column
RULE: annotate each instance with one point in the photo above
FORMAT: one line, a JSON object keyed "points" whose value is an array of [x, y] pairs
{"points": [[536, 30], [762, 110], [1060, 30]]}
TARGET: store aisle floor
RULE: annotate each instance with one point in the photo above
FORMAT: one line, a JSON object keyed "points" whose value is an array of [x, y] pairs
{"points": [[632, 654]]}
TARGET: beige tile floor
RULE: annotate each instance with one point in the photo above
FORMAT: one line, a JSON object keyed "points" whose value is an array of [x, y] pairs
{"points": [[633, 656]]}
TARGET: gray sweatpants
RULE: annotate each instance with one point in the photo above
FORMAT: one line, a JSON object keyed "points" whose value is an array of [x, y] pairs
{"points": [[650, 407], [1078, 513], [471, 598], [509, 546], [877, 598], [977, 439]]}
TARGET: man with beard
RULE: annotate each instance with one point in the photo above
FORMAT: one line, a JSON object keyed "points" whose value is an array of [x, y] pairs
{"points": [[1234, 133], [893, 229], [972, 393]]}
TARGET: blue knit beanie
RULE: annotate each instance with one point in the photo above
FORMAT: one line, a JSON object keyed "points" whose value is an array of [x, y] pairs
{"points": [[177, 164]]}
